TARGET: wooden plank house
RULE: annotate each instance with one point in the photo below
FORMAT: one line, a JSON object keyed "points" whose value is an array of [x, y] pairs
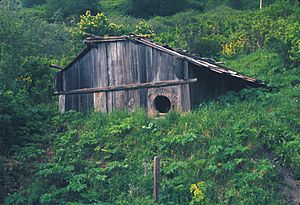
{"points": [[128, 72]]}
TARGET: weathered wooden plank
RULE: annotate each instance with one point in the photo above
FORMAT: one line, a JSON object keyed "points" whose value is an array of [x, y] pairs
{"points": [[149, 56], [185, 70], [67, 80], [142, 65], [75, 85], [184, 93], [78, 68], [77, 77], [82, 102], [81, 74], [92, 68], [142, 75], [62, 102], [143, 93], [129, 87], [90, 76], [97, 105], [96, 96], [68, 99], [133, 70], [72, 86], [68, 102], [136, 73], [111, 50], [178, 68], [133, 99], [62, 108], [56, 66], [87, 67], [120, 75], [57, 84], [64, 80], [82, 84], [170, 73], [156, 65], [156, 182], [102, 76], [89, 103], [127, 61], [106, 40], [171, 69]]}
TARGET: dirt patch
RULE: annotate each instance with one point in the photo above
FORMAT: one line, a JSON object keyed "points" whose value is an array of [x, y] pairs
{"points": [[290, 187]]}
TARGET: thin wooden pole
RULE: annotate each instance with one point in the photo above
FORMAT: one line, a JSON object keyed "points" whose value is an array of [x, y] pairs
{"points": [[128, 87], [260, 4], [56, 66], [156, 178]]}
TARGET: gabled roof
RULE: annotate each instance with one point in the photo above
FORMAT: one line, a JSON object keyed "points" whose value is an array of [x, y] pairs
{"points": [[205, 63]]}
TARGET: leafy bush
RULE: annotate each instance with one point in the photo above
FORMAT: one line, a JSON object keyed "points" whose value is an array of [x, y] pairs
{"points": [[31, 3], [233, 145], [98, 25], [70, 7], [101, 26], [146, 8]]}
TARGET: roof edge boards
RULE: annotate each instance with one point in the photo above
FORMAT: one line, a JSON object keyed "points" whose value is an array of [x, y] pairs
{"points": [[95, 38], [198, 61]]}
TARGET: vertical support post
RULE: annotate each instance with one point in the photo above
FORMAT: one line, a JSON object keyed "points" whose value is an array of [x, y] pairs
{"points": [[156, 178], [62, 103]]}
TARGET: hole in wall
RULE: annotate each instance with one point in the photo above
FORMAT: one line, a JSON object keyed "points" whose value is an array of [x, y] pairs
{"points": [[162, 104]]}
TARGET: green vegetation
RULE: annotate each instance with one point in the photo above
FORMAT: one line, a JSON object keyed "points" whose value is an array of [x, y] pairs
{"points": [[228, 151]]}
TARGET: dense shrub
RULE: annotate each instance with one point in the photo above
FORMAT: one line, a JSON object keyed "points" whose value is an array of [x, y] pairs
{"points": [[69, 8], [146, 8], [101, 26], [28, 45], [234, 146]]}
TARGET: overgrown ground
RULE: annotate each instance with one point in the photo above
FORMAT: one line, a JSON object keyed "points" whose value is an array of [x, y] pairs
{"points": [[228, 151]]}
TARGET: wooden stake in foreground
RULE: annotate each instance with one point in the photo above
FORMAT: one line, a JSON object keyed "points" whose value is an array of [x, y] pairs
{"points": [[260, 4], [156, 178]]}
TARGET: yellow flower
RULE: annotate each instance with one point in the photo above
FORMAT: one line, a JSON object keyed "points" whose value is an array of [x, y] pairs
{"points": [[198, 191]]}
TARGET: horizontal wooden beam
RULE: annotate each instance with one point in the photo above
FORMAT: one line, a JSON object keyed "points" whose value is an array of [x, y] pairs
{"points": [[127, 87], [56, 66], [103, 40]]}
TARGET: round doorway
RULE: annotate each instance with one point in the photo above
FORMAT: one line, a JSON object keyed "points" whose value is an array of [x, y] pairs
{"points": [[162, 104]]}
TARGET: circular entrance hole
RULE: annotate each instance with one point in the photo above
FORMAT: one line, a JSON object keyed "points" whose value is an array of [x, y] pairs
{"points": [[162, 104]]}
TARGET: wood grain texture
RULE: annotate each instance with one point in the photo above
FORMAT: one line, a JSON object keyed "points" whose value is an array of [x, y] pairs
{"points": [[156, 182], [126, 75], [81, 74], [57, 83], [129, 87], [184, 93], [118, 75], [62, 108]]}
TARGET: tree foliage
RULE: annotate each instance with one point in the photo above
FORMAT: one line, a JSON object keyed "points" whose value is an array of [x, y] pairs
{"points": [[101, 26], [146, 8], [232, 32]]}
